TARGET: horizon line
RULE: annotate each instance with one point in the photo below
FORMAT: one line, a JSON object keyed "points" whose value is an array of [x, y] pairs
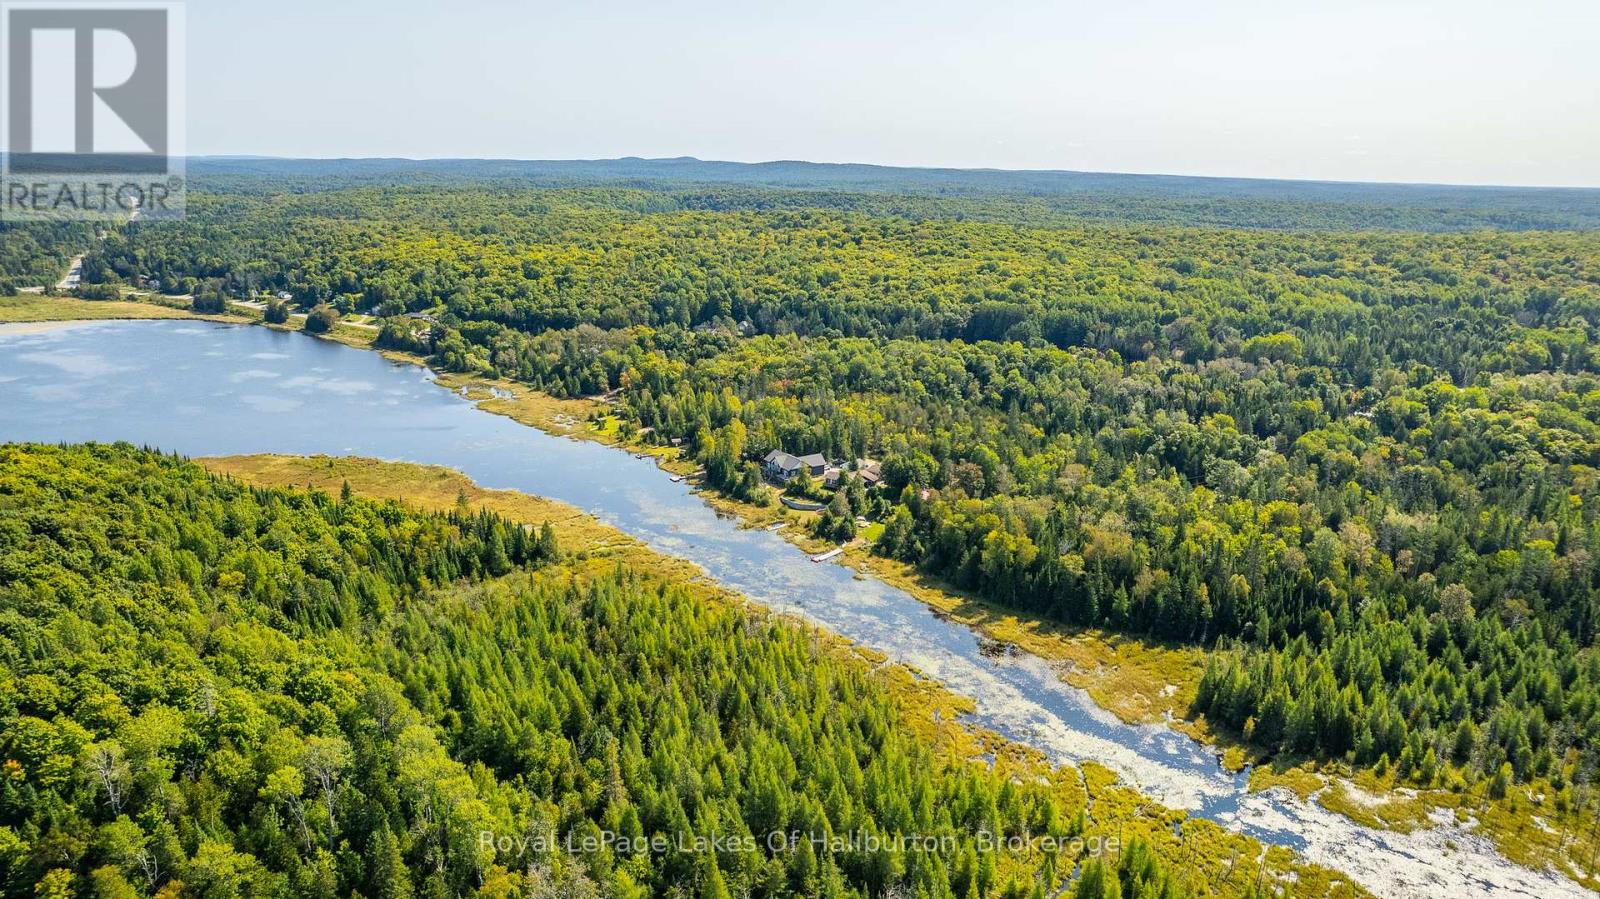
{"points": [[893, 167]]}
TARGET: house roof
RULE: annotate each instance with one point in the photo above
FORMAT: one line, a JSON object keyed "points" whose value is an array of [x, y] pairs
{"points": [[781, 459], [814, 460]]}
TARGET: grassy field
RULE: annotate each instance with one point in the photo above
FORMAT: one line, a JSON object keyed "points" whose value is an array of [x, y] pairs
{"points": [[568, 418], [39, 309], [34, 308], [1226, 863], [440, 489]]}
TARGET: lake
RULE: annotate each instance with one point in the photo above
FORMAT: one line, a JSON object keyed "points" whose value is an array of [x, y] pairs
{"points": [[201, 389]]}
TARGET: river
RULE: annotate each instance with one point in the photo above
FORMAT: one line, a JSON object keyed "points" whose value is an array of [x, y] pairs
{"points": [[201, 389]]}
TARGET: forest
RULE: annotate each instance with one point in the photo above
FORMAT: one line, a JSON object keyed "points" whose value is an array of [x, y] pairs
{"points": [[1361, 464], [1026, 197], [36, 255], [214, 690]]}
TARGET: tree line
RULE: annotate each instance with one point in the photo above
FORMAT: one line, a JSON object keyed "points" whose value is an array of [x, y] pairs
{"points": [[212, 690], [1362, 462]]}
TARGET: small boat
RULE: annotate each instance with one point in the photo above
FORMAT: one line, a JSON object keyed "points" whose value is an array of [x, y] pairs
{"points": [[677, 479], [830, 554]]}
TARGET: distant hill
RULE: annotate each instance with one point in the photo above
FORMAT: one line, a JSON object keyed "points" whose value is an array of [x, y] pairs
{"points": [[1029, 196]]}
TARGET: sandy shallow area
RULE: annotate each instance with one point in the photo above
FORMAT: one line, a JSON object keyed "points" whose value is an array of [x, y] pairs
{"points": [[129, 371], [1444, 861], [38, 327]]}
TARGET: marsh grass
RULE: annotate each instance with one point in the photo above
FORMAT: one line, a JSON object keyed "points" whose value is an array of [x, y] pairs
{"points": [[35, 308], [1138, 680], [1220, 863], [1534, 824]]}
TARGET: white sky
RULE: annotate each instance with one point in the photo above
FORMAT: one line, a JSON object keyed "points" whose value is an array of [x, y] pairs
{"points": [[1464, 91]]}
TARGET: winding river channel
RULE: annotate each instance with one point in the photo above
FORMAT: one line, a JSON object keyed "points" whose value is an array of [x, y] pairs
{"points": [[202, 389]]}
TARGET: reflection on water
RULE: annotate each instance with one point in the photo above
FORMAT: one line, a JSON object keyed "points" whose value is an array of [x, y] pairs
{"points": [[214, 390]]}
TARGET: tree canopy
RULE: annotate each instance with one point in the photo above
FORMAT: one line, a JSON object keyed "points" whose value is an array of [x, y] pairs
{"points": [[213, 690]]}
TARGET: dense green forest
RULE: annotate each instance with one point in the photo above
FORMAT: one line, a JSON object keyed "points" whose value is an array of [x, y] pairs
{"points": [[32, 255], [1363, 463], [1026, 197], [36, 255], [213, 690]]}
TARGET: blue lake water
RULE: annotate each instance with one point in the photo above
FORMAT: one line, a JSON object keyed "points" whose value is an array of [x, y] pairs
{"points": [[202, 389]]}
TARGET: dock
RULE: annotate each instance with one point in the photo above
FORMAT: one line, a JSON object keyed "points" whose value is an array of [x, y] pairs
{"points": [[830, 554]]}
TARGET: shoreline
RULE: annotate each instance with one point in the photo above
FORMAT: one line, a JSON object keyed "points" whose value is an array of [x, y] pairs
{"points": [[46, 327], [937, 708], [1507, 824], [1098, 663], [928, 707]]}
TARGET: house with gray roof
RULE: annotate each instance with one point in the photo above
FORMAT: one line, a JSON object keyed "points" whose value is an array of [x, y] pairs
{"points": [[781, 467]]}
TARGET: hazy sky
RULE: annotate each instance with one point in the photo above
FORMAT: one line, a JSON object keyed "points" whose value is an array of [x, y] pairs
{"points": [[1445, 90]]}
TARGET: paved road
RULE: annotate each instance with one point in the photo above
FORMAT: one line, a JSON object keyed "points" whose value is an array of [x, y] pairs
{"points": [[73, 276]]}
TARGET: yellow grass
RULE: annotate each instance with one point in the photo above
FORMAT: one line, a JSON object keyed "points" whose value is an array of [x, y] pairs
{"points": [[1224, 862], [1533, 825], [439, 489], [1139, 681], [360, 338], [349, 335], [1302, 780], [1236, 758], [32, 308], [523, 404]]}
